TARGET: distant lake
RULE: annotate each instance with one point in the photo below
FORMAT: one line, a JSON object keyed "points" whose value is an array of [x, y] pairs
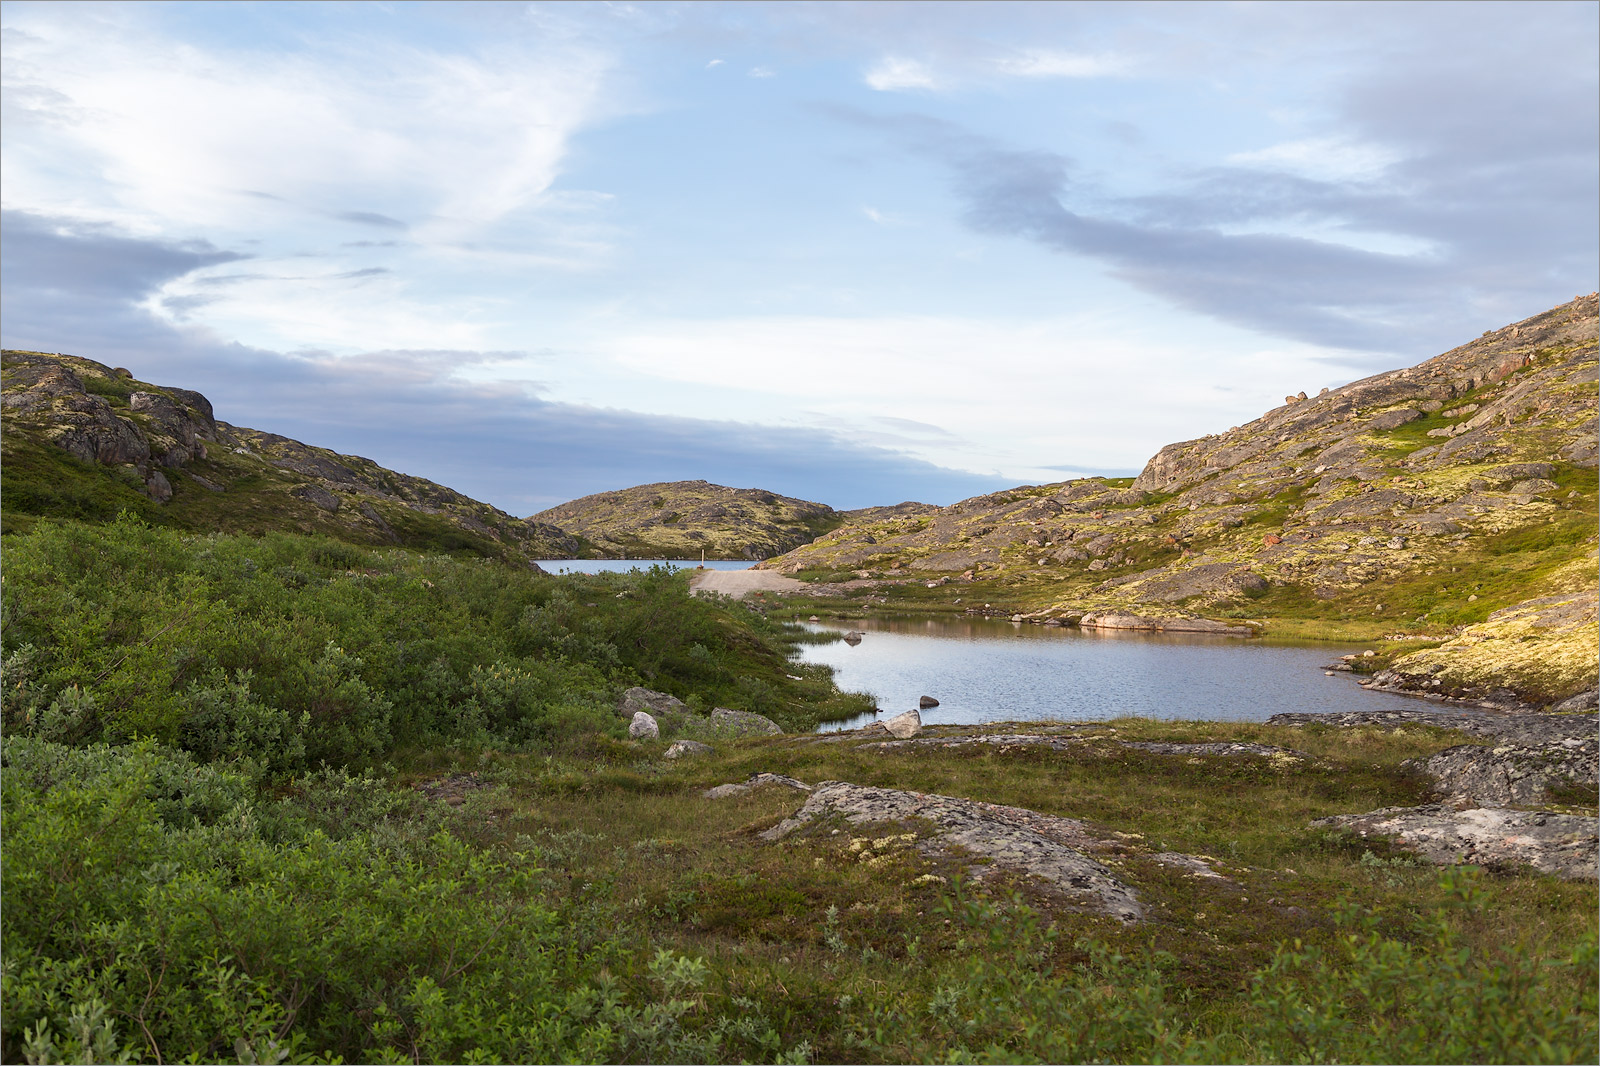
{"points": [[622, 566], [988, 671]]}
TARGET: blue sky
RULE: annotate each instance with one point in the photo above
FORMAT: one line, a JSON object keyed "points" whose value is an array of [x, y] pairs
{"points": [[858, 253]]}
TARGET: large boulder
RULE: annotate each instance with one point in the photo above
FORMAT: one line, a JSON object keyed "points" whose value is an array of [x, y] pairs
{"points": [[643, 726], [904, 726], [655, 703]]}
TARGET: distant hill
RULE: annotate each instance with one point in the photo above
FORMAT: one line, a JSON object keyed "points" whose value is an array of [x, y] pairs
{"points": [[1419, 500], [682, 519], [84, 440]]}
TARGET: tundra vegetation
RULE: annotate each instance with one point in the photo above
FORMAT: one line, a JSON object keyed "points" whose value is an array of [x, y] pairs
{"points": [[286, 799]]}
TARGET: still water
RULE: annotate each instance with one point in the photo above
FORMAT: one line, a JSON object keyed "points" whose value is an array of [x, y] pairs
{"points": [[987, 671], [622, 566]]}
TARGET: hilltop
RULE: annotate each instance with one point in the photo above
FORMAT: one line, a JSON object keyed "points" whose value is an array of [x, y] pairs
{"points": [[85, 440], [682, 519], [1416, 503]]}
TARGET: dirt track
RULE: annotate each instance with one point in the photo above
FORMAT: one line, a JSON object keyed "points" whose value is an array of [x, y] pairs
{"points": [[739, 583]]}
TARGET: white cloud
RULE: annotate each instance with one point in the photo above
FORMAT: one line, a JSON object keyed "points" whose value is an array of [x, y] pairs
{"points": [[1015, 397], [714, 63], [897, 73], [1054, 63], [1322, 158], [175, 132], [762, 72]]}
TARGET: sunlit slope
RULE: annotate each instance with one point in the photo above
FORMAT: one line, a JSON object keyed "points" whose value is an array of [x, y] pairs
{"points": [[1419, 500], [682, 519]]}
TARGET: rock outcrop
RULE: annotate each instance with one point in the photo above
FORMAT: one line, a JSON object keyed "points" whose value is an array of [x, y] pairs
{"points": [[1051, 849], [1559, 844], [208, 475]]}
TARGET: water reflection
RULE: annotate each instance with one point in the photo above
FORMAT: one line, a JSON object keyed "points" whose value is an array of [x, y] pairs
{"points": [[983, 670]]}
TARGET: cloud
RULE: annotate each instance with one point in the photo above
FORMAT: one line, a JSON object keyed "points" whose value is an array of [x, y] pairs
{"points": [[410, 409], [1054, 63], [897, 73], [1282, 246], [57, 255], [762, 72], [370, 218]]}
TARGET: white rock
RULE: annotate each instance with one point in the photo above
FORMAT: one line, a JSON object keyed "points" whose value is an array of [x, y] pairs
{"points": [[643, 726], [905, 726]]}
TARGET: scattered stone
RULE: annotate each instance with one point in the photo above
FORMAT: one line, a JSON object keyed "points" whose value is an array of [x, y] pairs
{"points": [[643, 726], [755, 781], [679, 749], [904, 726], [1012, 838], [853, 638], [742, 723], [1561, 844], [927, 701], [1198, 865]]}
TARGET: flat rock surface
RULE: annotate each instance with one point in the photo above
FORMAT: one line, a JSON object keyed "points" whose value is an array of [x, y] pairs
{"points": [[1012, 838], [1560, 844], [1528, 730], [1060, 743]]}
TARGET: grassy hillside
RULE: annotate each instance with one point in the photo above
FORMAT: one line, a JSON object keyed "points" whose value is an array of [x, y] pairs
{"points": [[682, 519], [84, 440], [1414, 502]]}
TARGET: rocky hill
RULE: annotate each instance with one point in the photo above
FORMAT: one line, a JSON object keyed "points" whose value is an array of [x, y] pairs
{"points": [[682, 519], [1422, 501], [84, 440]]}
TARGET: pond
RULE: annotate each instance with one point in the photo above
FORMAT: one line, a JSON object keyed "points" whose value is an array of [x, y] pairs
{"points": [[990, 670], [622, 566]]}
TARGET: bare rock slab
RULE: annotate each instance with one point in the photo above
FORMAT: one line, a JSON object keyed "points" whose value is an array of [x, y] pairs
{"points": [[1015, 839], [1565, 845]]}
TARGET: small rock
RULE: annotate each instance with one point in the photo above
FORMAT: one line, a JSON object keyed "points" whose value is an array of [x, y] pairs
{"points": [[853, 638], [927, 701], [678, 749], [904, 726], [643, 726]]}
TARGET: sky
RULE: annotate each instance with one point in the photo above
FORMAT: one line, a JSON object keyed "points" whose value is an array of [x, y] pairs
{"points": [[855, 253]]}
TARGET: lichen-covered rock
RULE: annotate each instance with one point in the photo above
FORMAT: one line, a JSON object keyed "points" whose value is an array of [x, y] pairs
{"points": [[1509, 775], [643, 726], [1561, 844], [1538, 651], [1525, 730], [680, 749], [1014, 839]]}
